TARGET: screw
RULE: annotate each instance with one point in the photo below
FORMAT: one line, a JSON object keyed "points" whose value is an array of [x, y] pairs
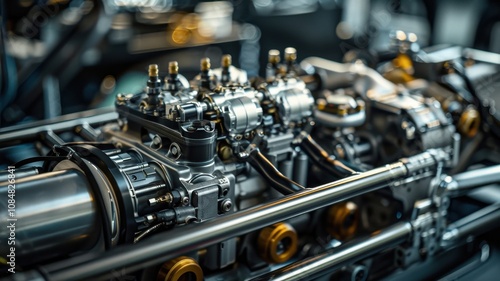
{"points": [[150, 218], [175, 150], [185, 201], [226, 205]]}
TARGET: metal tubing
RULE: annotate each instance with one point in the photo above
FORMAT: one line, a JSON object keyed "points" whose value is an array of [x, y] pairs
{"points": [[476, 223], [28, 132], [335, 75], [178, 241], [343, 255], [478, 177], [459, 184]]}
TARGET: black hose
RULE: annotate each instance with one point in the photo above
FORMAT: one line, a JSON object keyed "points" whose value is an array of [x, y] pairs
{"points": [[275, 178], [321, 158]]}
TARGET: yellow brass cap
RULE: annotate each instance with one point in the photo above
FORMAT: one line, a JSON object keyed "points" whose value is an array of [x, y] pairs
{"points": [[274, 56], [205, 64], [153, 70], [225, 152], [173, 67], [342, 220], [342, 110], [469, 122], [290, 54], [277, 243], [178, 269], [226, 61]]}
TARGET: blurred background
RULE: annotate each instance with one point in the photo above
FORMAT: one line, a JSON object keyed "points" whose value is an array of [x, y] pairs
{"points": [[60, 56]]}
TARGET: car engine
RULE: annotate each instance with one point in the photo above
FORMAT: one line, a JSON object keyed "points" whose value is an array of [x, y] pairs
{"points": [[379, 167]]}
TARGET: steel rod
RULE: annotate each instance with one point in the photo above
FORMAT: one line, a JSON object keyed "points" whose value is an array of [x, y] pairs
{"points": [[171, 244], [343, 255]]}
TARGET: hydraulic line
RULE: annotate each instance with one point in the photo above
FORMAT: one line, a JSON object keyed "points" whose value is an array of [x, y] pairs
{"points": [[461, 183], [276, 179], [476, 223], [321, 158]]}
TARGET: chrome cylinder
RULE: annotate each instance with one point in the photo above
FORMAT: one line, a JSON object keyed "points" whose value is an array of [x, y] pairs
{"points": [[49, 215]]}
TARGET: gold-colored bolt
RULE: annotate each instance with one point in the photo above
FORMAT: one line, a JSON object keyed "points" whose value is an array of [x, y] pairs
{"points": [[274, 56], [173, 67], [226, 61], [342, 110], [205, 64], [290, 54], [321, 103], [225, 152], [360, 105], [153, 70]]}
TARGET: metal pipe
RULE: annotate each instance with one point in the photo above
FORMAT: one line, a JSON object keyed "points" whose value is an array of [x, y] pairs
{"points": [[476, 223], [338, 75], [478, 177], [178, 241], [461, 183], [343, 255]]}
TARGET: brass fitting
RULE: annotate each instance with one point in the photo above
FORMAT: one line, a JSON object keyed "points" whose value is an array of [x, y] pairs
{"points": [[179, 269], [153, 70], [277, 243], [225, 152], [226, 61], [173, 67], [205, 64], [360, 105], [274, 56], [469, 122], [290, 54], [342, 220]]}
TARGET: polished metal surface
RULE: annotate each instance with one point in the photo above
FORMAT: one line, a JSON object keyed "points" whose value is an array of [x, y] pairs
{"points": [[178, 241], [474, 224], [346, 254], [56, 215]]}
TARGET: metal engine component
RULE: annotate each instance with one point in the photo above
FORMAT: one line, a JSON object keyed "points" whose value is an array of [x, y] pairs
{"points": [[241, 114], [225, 178]]}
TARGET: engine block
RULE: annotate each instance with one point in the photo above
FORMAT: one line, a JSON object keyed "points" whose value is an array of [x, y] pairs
{"points": [[319, 170]]}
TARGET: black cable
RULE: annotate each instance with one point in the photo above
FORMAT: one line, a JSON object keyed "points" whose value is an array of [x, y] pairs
{"points": [[275, 178], [321, 158]]}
